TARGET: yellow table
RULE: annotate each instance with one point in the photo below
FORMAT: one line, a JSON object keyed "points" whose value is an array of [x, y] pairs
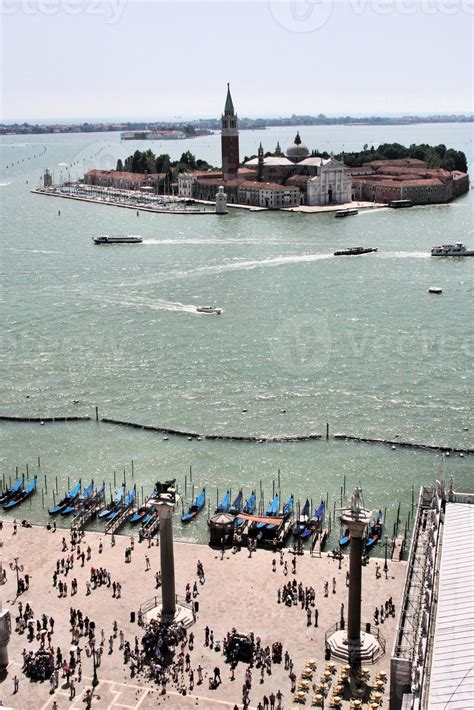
{"points": [[376, 696], [379, 684], [356, 703], [303, 684], [381, 675], [346, 668], [336, 700], [339, 688], [317, 699]]}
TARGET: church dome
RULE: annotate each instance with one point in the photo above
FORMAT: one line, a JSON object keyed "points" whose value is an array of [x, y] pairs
{"points": [[297, 151]]}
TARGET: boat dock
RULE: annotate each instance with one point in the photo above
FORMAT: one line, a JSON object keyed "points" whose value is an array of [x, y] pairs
{"points": [[398, 548], [86, 513]]}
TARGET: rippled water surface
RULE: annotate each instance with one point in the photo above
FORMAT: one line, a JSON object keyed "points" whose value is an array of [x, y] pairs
{"points": [[305, 338]]}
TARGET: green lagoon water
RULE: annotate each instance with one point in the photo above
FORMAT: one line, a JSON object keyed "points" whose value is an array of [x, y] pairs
{"points": [[305, 338]]}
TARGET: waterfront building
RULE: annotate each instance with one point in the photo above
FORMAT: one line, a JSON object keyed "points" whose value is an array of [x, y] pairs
{"points": [[123, 180], [432, 662], [274, 182], [407, 179]]}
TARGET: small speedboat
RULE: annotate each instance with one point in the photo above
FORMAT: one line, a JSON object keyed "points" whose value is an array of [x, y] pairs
{"points": [[210, 310], [355, 251], [435, 289]]}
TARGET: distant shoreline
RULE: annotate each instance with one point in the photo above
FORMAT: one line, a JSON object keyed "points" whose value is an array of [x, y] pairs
{"points": [[26, 128]]}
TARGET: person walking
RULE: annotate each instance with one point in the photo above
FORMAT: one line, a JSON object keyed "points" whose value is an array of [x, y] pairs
{"points": [[16, 684]]}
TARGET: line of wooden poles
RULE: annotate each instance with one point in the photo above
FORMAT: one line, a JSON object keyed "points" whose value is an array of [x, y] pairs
{"points": [[190, 484]]}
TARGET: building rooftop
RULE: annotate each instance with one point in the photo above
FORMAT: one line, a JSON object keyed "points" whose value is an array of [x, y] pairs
{"points": [[452, 667]]}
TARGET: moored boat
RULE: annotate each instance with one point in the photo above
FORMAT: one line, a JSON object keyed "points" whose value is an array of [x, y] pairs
{"points": [[224, 504], [21, 496], [249, 506], [302, 520], [68, 499], [195, 507], [237, 504], [457, 249], [124, 505], [12, 492], [345, 539], [114, 504], [315, 522], [271, 511], [355, 251], [74, 505], [375, 532]]}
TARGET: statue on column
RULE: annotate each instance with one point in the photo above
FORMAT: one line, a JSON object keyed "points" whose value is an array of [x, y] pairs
{"points": [[355, 500]]}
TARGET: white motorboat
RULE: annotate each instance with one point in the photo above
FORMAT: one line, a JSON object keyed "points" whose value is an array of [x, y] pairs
{"points": [[457, 249]]}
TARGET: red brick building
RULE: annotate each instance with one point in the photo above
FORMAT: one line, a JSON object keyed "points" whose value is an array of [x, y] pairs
{"points": [[406, 179]]}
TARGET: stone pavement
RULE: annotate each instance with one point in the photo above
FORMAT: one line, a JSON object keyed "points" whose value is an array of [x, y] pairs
{"points": [[239, 592]]}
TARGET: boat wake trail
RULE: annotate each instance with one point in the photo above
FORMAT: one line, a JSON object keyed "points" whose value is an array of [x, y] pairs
{"points": [[256, 263], [141, 302], [4, 184], [406, 254]]}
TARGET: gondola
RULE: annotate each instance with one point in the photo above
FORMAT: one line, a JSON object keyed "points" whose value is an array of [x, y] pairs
{"points": [[139, 514], [237, 504], [302, 521], [375, 532], [87, 492], [127, 502], [288, 507], [195, 507], [116, 502], [67, 500], [224, 504], [314, 523], [345, 539], [11, 492], [21, 496], [249, 507], [271, 511]]}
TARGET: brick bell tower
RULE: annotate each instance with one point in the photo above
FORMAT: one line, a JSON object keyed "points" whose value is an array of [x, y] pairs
{"points": [[229, 139]]}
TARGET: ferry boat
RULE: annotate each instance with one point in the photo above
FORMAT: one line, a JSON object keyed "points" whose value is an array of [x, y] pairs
{"points": [[346, 213], [354, 251], [457, 249], [118, 239], [209, 309]]}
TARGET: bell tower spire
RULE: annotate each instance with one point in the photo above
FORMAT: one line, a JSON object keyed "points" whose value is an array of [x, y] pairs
{"points": [[229, 139]]}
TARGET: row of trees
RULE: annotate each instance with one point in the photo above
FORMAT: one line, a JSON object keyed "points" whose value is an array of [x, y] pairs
{"points": [[147, 162], [435, 156]]}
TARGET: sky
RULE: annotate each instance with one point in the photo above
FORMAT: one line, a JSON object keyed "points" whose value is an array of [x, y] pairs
{"points": [[170, 59]]}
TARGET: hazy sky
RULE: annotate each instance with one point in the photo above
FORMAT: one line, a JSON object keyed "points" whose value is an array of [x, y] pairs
{"points": [[161, 59]]}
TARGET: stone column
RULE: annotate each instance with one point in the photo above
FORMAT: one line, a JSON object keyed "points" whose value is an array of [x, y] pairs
{"points": [[165, 511], [356, 520], [5, 632], [355, 588]]}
